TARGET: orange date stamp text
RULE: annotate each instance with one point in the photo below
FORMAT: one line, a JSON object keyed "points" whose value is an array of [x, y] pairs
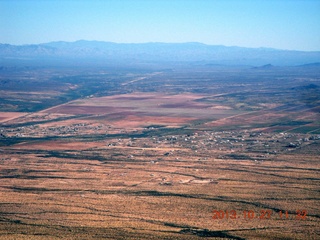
{"points": [[261, 214]]}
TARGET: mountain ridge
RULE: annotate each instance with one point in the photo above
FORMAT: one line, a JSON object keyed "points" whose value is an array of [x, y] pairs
{"points": [[159, 52]]}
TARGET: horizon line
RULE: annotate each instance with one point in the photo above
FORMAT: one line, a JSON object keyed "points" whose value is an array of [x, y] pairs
{"points": [[156, 42]]}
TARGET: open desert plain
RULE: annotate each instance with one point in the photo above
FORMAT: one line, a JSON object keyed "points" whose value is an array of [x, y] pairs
{"points": [[160, 152]]}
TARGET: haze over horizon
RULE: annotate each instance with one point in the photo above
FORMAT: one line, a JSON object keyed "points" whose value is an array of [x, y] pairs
{"points": [[288, 25], [164, 43]]}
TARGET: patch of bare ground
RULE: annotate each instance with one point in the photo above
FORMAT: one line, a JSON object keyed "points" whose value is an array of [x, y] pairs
{"points": [[134, 121], [220, 107], [70, 109], [146, 104], [6, 116]]}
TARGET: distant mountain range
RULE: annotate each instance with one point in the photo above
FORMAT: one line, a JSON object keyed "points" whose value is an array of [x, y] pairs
{"points": [[156, 52]]}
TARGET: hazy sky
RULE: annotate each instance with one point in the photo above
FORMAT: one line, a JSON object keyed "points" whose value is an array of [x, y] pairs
{"points": [[283, 24]]}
